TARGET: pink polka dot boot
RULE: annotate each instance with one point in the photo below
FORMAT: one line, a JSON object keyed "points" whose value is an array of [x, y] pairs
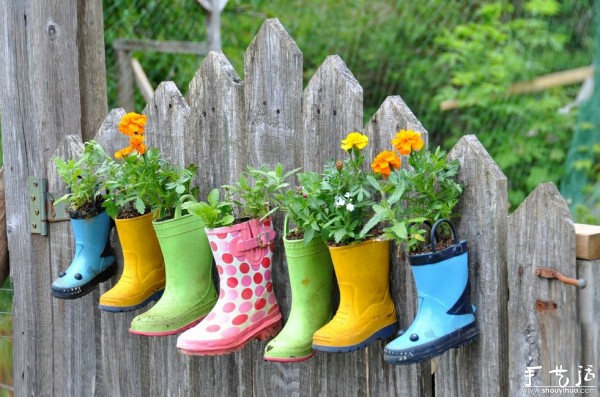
{"points": [[246, 308]]}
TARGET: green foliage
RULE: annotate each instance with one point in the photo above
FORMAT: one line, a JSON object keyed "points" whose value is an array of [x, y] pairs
{"points": [[82, 176], [426, 51], [254, 200], [212, 212], [425, 192], [484, 59], [143, 183], [590, 166], [337, 202]]}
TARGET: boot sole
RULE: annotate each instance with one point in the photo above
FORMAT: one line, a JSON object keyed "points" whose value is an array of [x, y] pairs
{"points": [[456, 339], [78, 292], [118, 309], [383, 333], [269, 329], [166, 333], [289, 359]]}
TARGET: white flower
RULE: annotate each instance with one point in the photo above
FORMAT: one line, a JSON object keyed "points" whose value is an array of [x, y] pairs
{"points": [[350, 207], [339, 202], [347, 195]]}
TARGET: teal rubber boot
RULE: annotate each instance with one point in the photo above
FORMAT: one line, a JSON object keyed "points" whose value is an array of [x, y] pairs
{"points": [[445, 317], [94, 260], [189, 293], [311, 279]]}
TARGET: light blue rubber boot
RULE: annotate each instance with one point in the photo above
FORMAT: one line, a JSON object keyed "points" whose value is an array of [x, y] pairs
{"points": [[93, 262], [445, 317]]}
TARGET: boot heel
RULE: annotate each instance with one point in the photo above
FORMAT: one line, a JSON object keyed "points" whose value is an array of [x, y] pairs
{"points": [[270, 331]]}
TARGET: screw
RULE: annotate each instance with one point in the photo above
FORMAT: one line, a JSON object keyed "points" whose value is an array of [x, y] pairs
{"points": [[32, 197], [35, 184], [34, 225], [36, 211]]}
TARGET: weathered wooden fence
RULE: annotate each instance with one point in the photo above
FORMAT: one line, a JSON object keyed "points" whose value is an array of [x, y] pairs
{"points": [[70, 348]]}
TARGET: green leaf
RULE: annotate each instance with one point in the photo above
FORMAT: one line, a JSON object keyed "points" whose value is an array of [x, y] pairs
{"points": [[400, 230], [140, 207]]}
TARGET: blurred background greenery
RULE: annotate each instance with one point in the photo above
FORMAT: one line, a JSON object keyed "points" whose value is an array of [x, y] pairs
{"points": [[428, 52]]}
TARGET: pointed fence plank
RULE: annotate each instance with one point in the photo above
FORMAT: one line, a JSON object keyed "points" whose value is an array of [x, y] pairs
{"points": [[215, 133], [273, 101], [216, 138], [413, 380], [74, 345], [392, 116], [333, 107], [167, 113], [117, 345], [481, 368], [542, 313], [273, 95]]}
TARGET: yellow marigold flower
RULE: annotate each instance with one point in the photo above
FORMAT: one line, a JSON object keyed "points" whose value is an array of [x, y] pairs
{"points": [[355, 139], [406, 141], [136, 142], [133, 124], [123, 152], [385, 162]]}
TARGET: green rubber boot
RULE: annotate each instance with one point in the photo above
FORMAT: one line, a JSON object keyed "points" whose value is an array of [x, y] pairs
{"points": [[311, 280], [189, 293]]}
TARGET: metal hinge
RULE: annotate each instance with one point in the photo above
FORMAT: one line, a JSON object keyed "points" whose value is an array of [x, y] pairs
{"points": [[41, 206]]}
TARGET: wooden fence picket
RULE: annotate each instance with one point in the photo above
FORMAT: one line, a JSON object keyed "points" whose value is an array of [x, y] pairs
{"points": [[333, 107], [387, 380], [481, 368], [542, 323]]}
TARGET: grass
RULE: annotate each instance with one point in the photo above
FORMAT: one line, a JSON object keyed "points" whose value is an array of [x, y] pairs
{"points": [[6, 368]]}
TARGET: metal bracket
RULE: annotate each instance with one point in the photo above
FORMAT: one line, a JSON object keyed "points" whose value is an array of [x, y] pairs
{"points": [[556, 275], [41, 206]]}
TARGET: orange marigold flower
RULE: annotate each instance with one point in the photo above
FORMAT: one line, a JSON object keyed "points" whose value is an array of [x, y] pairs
{"points": [[133, 124], [385, 162], [123, 152], [406, 141], [355, 139], [136, 142]]}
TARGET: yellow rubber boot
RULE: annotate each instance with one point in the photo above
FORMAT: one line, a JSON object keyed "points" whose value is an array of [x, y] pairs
{"points": [[143, 277], [366, 311]]}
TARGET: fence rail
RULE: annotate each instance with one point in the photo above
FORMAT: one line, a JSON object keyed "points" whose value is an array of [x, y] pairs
{"points": [[72, 348]]}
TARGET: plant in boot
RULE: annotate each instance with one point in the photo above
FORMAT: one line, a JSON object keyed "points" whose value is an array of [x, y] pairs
{"points": [[309, 267], [94, 260], [361, 262], [141, 186], [412, 197], [425, 194], [247, 307]]}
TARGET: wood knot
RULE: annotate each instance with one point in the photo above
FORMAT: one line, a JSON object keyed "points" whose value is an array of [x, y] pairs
{"points": [[52, 30]]}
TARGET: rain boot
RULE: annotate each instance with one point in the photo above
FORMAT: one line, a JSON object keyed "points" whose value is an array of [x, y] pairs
{"points": [[143, 277], [445, 317], [189, 293], [94, 260], [311, 280], [366, 311], [247, 308]]}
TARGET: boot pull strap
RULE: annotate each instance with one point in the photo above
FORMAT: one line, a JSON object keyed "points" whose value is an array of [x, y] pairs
{"points": [[261, 240], [286, 225], [433, 233], [183, 199]]}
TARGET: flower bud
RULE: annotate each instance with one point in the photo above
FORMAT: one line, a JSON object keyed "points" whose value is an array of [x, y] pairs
{"points": [[339, 165]]}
